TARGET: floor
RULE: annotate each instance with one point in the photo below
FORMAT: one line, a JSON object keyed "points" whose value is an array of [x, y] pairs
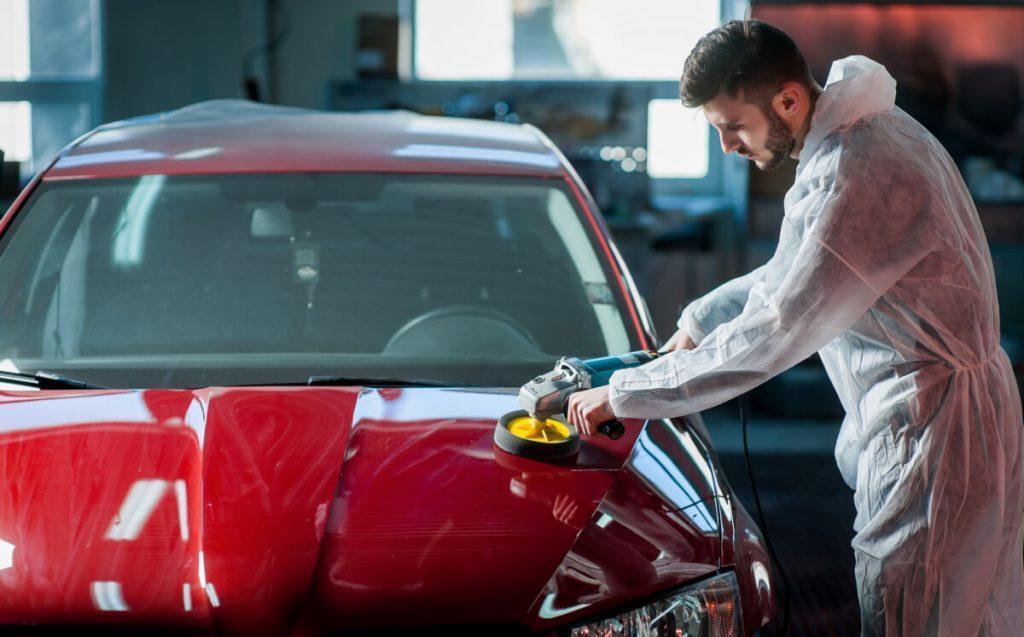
{"points": [[808, 510]]}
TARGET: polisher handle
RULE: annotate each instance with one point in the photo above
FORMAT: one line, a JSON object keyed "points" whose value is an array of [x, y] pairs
{"points": [[612, 428]]}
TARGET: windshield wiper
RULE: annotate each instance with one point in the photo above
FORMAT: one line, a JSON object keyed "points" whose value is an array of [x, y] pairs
{"points": [[376, 382], [45, 380]]}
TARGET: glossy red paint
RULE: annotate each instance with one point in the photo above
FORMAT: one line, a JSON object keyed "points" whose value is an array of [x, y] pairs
{"points": [[642, 539], [638, 544], [753, 568], [272, 511], [240, 137], [171, 508], [433, 524], [100, 511], [271, 460]]}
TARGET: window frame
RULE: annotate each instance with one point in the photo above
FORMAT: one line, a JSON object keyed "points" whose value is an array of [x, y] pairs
{"points": [[62, 90], [723, 187]]}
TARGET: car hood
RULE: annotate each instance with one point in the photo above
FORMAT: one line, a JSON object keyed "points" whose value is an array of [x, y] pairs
{"points": [[295, 510]]}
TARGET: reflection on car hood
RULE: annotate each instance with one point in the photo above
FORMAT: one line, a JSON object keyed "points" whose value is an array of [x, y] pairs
{"points": [[274, 510]]}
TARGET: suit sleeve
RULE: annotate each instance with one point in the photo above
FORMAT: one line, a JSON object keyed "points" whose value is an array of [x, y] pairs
{"points": [[870, 227]]}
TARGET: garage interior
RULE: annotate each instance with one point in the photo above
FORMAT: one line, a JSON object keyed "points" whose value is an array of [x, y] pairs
{"points": [[685, 216]]}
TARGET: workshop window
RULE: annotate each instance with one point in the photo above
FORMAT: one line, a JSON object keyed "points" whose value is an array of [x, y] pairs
{"points": [[673, 132], [50, 77], [575, 46], [557, 39]]}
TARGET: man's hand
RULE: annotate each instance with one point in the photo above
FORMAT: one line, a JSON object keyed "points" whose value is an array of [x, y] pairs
{"points": [[589, 408], [679, 340]]}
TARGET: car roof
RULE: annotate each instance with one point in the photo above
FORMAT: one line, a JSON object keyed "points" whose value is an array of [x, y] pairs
{"points": [[236, 136]]}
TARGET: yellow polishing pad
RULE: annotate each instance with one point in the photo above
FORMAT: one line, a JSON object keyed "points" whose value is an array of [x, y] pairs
{"points": [[531, 429]]}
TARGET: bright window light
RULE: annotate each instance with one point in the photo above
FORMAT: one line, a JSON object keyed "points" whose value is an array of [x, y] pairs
{"points": [[447, 50], [6, 555], [108, 596], [677, 141], [558, 39], [16, 130], [50, 69], [14, 51]]}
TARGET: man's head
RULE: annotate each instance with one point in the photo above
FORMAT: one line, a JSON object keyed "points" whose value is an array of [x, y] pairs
{"points": [[754, 86]]}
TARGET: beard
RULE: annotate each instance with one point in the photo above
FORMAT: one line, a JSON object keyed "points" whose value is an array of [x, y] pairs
{"points": [[780, 142]]}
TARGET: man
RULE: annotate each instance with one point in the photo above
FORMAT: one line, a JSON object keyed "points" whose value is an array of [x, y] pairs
{"points": [[882, 267]]}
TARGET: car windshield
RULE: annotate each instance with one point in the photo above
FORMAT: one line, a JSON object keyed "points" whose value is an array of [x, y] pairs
{"points": [[190, 281]]}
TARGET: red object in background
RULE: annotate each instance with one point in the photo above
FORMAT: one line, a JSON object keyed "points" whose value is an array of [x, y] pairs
{"points": [[901, 34]]}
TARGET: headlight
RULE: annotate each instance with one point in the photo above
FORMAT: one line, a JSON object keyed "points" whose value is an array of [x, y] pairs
{"points": [[707, 609]]}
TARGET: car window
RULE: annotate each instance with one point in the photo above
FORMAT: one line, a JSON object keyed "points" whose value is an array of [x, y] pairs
{"points": [[167, 281]]}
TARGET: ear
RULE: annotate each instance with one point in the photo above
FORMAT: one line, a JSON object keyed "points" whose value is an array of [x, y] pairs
{"points": [[789, 100]]}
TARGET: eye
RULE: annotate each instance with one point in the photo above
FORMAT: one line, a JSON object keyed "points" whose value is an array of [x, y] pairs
{"points": [[733, 127]]}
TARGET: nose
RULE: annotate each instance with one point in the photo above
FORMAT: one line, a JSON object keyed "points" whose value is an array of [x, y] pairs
{"points": [[730, 143]]}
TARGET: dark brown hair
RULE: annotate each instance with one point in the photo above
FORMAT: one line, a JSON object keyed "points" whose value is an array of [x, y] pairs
{"points": [[742, 54]]}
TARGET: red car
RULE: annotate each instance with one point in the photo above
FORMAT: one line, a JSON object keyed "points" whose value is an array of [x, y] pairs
{"points": [[252, 360]]}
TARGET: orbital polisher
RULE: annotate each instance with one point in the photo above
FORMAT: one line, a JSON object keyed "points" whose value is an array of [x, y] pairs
{"points": [[539, 430]]}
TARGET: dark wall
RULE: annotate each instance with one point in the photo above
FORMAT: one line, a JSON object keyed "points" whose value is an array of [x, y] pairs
{"points": [[167, 54], [163, 55]]}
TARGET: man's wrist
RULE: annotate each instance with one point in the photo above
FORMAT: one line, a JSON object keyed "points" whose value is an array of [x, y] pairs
{"points": [[616, 396]]}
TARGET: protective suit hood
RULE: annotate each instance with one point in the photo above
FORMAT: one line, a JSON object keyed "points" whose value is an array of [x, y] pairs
{"points": [[857, 86]]}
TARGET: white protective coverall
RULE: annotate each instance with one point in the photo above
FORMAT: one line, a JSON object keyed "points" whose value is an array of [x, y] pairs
{"points": [[882, 267]]}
